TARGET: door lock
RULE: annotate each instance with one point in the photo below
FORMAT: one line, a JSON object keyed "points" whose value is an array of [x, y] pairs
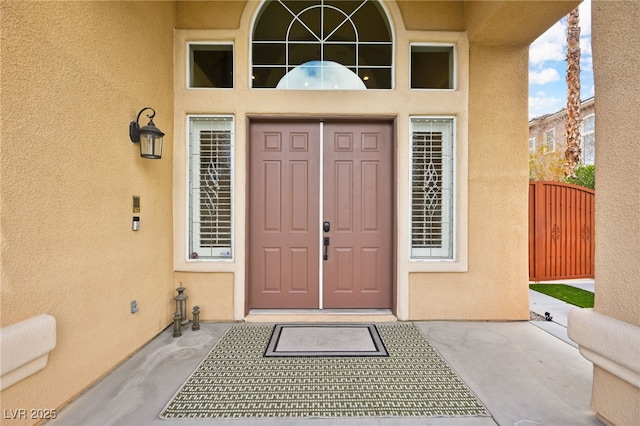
{"points": [[326, 226]]}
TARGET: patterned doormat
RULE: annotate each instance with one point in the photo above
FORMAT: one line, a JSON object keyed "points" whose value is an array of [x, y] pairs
{"points": [[235, 380]]}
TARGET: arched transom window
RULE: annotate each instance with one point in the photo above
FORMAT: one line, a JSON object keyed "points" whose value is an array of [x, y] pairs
{"points": [[322, 44]]}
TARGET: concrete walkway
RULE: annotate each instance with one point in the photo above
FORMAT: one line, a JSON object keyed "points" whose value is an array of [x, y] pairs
{"points": [[559, 310], [521, 372]]}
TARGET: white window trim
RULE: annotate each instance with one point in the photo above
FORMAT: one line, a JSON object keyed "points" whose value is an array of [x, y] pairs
{"points": [[185, 256], [584, 134], [454, 70], [454, 199], [459, 263], [549, 145], [187, 62]]}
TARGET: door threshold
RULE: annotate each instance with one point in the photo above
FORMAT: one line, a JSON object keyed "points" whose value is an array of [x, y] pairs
{"points": [[321, 315]]}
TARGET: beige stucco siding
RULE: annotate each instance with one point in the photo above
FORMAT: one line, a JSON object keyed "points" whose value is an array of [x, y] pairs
{"points": [[489, 279], [617, 270], [211, 292], [617, 246], [209, 14], [73, 76], [498, 270], [242, 102], [75, 73], [432, 15]]}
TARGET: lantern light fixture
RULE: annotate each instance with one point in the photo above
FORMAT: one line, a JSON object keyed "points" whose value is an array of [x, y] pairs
{"points": [[149, 137]]}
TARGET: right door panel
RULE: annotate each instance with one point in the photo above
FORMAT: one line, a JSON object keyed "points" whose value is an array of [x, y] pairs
{"points": [[358, 202]]}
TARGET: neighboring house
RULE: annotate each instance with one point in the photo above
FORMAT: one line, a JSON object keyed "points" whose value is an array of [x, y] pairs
{"points": [[547, 133], [393, 121]]}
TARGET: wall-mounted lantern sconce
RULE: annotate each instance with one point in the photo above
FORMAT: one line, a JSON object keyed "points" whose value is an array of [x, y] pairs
{"points": [[149, 136]]}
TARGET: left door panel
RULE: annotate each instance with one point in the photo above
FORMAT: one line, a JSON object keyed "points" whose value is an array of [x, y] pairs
{"points": [[284, 217]]}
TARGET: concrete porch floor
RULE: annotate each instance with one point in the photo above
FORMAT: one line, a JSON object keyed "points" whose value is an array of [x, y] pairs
{"points": [[523, 374]]}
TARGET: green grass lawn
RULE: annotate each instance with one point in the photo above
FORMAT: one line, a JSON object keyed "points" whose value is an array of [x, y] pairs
{"points": [[566, 293]]}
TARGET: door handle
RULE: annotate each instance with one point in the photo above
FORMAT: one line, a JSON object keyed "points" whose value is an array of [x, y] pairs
{"points": [[326, 248]]}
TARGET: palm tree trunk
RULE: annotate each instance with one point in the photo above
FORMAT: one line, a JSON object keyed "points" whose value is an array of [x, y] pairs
{"points": [[572, 128]]}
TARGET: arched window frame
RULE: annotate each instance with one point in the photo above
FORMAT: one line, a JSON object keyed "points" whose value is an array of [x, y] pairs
{"points": [[287, 66]]}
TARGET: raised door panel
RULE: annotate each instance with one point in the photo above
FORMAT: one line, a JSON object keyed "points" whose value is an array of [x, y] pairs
{"points": [[358, 199], [283, 214]]}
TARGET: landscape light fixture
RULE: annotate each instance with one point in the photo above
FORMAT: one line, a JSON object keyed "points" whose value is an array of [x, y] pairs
{"points": [[149, 137]]}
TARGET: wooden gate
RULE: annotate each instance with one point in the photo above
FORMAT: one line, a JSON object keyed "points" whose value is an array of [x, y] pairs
{"points": [[561, 231]]}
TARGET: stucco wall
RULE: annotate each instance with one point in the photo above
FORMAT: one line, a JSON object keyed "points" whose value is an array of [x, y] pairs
{"points": [[616, 66], [73, 75], [243, 102], [211, 292], [490, 105], [495, 286], [432, 15], [208, 15], [617, 132]]}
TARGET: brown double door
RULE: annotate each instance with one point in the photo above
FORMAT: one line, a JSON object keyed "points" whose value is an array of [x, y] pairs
{"points": [[321, 215]]}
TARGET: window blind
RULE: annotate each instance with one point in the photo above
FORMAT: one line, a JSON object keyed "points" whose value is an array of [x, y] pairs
{"points": [[210, 184], [432, 189]]}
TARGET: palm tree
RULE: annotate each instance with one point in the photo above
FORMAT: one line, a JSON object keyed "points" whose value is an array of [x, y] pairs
{"points": [[572, 128]]}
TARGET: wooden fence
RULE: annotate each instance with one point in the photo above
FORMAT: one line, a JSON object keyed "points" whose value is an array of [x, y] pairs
{"points": [[561, 231]]}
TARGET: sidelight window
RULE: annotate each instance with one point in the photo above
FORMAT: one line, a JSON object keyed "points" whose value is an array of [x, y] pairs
{"points": [[210, 187], [432, 188]]}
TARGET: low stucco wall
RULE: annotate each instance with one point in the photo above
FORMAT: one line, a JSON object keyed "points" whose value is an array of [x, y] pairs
{"points": [[615, 400]]}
